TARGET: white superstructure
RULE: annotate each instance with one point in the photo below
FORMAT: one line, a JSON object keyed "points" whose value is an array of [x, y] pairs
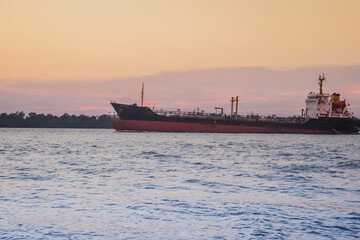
{"points": [[325, 105]]}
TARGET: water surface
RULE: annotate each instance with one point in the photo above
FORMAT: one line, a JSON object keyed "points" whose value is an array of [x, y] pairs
{"points": [[102, 184]]}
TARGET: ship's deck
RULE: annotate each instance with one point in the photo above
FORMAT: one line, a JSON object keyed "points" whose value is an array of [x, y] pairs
{"points": [[216, 116]]}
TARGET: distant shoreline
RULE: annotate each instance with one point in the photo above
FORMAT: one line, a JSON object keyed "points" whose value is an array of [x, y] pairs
{"points": [[62, 127], [34, 120]]}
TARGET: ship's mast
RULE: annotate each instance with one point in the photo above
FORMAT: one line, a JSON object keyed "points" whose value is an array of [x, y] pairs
{"points": [[142, 95], [321, 79], [232, 106], [237, 101]]}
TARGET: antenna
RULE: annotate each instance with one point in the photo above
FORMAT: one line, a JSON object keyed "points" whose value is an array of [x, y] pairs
{"points": [[142, 95], [321, 79]]}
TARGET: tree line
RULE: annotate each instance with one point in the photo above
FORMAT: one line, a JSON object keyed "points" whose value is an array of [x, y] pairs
{"points": [[34, 120]]}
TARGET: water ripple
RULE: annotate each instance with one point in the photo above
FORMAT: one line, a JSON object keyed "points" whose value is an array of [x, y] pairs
{"points": [[102, 184]]}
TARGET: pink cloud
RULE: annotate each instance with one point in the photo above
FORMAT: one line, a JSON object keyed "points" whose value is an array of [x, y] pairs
{"points": [[152, 102], [260, 99], [40, 108], [222, 101], [181, 103], [87, 108], [108, 96], [27, 91], [357, 91], [353, 88], [259, 90]]}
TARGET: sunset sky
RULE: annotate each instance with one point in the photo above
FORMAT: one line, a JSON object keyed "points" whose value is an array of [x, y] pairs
{"points": [[54, 53]]}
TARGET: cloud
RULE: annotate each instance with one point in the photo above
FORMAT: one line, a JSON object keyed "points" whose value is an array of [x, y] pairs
{"points": [[154, 102], [354, 88], [40, 108], [259, 89], [260, 99], [87, 108]]}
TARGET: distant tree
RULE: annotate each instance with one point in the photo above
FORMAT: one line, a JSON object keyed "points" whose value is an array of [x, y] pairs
{"points": [[12, 120], [41, 120], [65, 116]]}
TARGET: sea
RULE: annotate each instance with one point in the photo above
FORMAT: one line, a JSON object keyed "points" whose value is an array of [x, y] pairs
{"points": [[103, 184]]}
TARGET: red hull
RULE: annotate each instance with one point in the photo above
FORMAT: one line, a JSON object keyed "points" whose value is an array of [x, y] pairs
{"points": [[160, 126]]}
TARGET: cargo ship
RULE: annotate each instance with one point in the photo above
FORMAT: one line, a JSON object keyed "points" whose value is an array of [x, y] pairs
{"points": [[324, 113]]}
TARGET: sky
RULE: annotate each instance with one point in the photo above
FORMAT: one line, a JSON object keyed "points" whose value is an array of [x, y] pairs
{"points": [[74, 56]]}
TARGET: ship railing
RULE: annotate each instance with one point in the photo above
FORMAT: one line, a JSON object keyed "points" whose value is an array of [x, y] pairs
{"points": [[191, 114], [340, 115], [216, 116]]}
